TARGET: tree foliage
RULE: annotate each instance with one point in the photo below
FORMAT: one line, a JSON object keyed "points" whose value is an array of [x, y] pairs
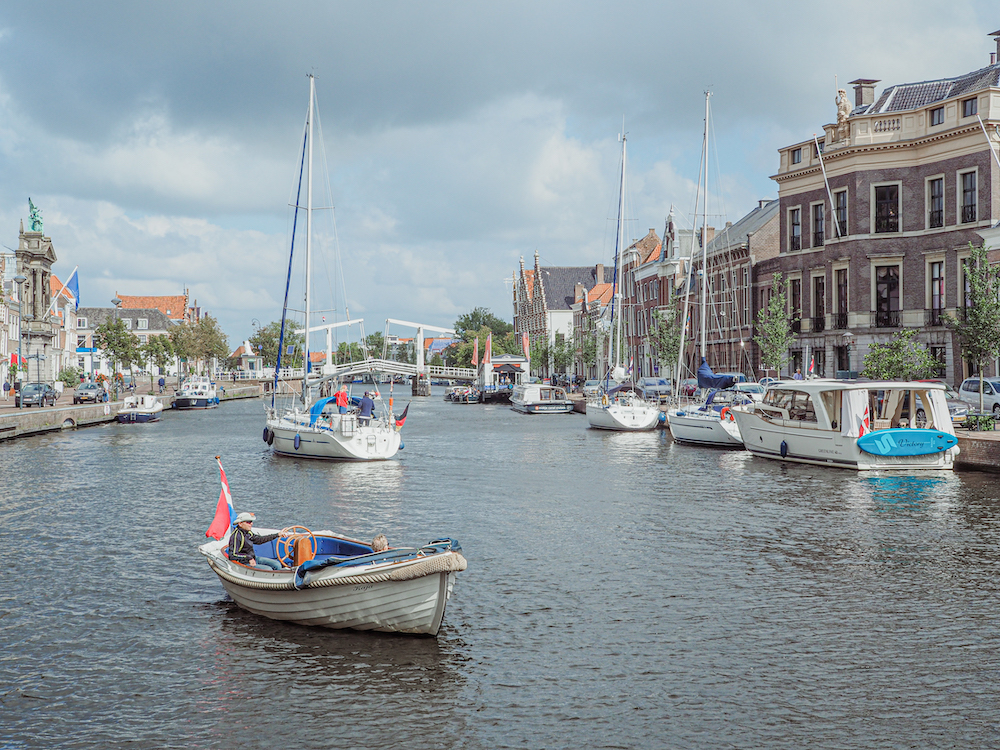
{"points": [[118, 342], [473, 322], [774, 326], [978, 328], [264, 342], [460, 354], [665, 339], [200, 342], [902, 358]]}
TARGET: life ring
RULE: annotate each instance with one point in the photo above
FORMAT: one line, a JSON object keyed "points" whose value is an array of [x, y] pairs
{"points": [[727, 413]]}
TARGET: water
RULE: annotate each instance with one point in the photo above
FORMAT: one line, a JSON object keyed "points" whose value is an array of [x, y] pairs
{"points": [[622, 592]]}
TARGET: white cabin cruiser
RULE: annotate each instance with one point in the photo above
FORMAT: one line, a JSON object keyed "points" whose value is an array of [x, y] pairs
{"points": [[861, 425], [623, 408], [535, 398], [197, 392], [144, 408]]}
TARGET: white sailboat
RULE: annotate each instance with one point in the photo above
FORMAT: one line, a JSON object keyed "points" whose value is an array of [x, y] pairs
{"points": [[620, 408], [702, 424], [320, 430]]}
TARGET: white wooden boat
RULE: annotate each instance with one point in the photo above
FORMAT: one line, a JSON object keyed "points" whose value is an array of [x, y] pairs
{"points": [[197, 392], [536, 398], [861, 425], [144, 408], [337, 582]]}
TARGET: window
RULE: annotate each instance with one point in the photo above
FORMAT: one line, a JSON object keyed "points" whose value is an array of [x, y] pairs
{"points": [[81, 342], [143, 323], [842, 299], [142, 338], [81, 322], [937, 116], [935, 203], [886, 296], [795, 230], [936, 292], [796, 305], [819, 303], [840, 199], [939, 354], [970, 107], [819, 224], [796, 155], [887, 208], [127, 322], [968, 196]]}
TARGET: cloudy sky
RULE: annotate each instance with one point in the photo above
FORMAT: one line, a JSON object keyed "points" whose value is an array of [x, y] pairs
{"points": [[161, 140]]}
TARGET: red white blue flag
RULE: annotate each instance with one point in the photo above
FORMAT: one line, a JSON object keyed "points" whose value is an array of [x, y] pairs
{"points": [[225, 516]]}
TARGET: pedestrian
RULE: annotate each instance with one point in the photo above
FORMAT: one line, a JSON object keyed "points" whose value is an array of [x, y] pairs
{"points": [[367, 407], [6, 390], [797, 375], [243, 539], [162, 383]]}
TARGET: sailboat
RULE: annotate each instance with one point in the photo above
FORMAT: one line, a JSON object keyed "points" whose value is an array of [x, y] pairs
{"points": [[621, 408], [707, 423], [318, 429]]}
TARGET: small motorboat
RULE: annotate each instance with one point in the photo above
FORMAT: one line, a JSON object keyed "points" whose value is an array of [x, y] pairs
{"points": [[197, 392], [144, 408], [333, 581]]}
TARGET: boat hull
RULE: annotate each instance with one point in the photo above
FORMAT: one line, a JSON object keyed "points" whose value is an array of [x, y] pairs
{"points": [[133, 417], [195, 402], [542, 408], [339, 438], [695, 428], [623, 417]]}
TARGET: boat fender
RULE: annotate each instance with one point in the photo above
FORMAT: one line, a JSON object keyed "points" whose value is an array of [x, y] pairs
{"points": [[727, 413], [662, 418], [784, 449], [401, 446], [270, 437], [298, 440], [265, 434]]}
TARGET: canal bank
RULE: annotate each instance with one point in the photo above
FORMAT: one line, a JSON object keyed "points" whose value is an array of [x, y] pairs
{"points": [[15, 423]]}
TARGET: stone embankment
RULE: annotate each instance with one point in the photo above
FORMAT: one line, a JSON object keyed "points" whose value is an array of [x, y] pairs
{"points": [[979, 451], [65, 415]]}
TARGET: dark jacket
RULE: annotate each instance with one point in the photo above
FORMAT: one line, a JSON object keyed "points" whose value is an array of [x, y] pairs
{"points": [[367, 406], [241, 544]]}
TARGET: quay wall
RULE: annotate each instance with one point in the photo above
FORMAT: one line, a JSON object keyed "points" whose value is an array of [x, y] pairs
{"points": [[978, 451]]}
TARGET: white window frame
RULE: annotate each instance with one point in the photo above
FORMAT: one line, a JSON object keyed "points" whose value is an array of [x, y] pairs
{"points": [[930, 260], [927, 200], [958, 194], [81, 323], [899, 205], [847, 213], [142, 324], [790, 211], [812, 222]]}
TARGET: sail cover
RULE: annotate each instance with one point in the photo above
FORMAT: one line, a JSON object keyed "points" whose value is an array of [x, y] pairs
{"points": [[708, 379]]}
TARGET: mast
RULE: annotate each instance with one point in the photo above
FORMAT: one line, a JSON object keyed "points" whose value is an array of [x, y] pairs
{"points": [[309, 216], [619, 243], [704, 243]]}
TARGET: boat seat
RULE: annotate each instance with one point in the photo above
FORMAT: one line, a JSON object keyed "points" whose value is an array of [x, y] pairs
{"points": [[303, 550]]}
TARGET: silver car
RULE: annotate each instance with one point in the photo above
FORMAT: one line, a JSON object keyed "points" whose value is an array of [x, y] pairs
{"points": [[969, 393]]}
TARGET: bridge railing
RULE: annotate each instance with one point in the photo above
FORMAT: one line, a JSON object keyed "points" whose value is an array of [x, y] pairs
{"points": [[366, 366]]}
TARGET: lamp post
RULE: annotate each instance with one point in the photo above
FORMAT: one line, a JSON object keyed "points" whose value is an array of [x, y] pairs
{"points": [[848, 338], [19, 279], [114, 362]]}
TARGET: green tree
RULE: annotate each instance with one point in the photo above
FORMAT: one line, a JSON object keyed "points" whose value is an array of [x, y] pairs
{"points": [[774, 326], [375, 343], [70, 376], [902, 358], [562, 354], [159, 351], [665, 339], [978, 328], [212, 343], [479, 318], [541, 354], [265, 342], [118, 342]]}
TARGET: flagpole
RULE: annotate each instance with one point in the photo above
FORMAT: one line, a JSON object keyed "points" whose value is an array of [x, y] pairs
{"points": [[56, 297]]}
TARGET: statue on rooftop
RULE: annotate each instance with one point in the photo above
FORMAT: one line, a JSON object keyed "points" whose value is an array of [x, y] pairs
{"points": [[34, 217], [844, 107]]}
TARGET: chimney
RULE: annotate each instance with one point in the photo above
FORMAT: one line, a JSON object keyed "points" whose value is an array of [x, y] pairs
{"points": [[864, 91], [599, 273], [578, 291], [763, 202], [996, 36]]}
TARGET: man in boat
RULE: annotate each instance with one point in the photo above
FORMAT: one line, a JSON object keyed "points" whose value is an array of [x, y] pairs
{"points": [[367, 407], [243, 539]]}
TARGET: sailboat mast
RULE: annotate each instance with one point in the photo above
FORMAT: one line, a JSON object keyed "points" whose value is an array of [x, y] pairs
{"points": [[619, 244], [704, 243], [309, 218]]}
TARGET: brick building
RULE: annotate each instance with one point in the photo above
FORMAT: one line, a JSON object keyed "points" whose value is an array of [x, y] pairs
{"points": [[879, 244]]}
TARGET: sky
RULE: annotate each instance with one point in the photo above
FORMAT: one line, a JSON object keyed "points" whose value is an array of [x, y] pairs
{"points": [[161, 141]]}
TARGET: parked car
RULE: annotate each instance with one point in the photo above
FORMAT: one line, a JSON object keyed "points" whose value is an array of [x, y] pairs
{"points": [[657, 388], [969, 393], [594, 387], [688, 386], [753, 390], [767, 381], [89, 392], [957, 408], [36, 393]]}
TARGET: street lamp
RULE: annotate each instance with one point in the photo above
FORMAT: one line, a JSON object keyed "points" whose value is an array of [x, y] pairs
{"points": [[114, 363], [848, 338], [19, 279]]}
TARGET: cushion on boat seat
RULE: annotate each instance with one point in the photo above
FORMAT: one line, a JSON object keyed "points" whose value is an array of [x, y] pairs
{"points": [[303, 550]]}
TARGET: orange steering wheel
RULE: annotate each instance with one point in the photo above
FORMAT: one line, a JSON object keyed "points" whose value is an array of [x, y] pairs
{"points": [[286, 544]]}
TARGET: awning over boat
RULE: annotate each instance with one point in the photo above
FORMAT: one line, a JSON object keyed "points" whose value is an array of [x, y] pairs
{"points": [[317, 409], [708, 379], [506, 368]]}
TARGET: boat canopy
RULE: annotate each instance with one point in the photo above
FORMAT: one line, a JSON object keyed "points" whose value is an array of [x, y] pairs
{"points": [[317, 409], [625, 387], [708, 379]]}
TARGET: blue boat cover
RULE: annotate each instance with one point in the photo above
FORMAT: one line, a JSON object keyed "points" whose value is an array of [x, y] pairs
{"points": [[317, 409], [708, 379]]}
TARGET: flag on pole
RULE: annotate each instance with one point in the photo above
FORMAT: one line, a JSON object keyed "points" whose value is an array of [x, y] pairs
{"points": [[488, 354], [74, 287], [225, 516], [865, 422], [526, 345], [475, 352], [401, 419], [812, 365], [630, 365]]}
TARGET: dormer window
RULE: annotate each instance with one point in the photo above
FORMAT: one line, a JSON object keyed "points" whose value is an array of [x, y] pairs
{"points": [[143, 323], [970, 107], [796, 156], [937, 116]]}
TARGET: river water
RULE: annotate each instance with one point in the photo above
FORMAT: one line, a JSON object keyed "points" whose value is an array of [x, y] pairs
{"points": [[622, 592]]}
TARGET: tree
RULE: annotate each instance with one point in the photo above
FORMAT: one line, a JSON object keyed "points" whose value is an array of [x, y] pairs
{"points": [[978, 328], [902, 358], [210, 340], [561, 353], [774, 326], [119, 342], [541, 353], [157, 350], [375, 343], [665, 339], [70, 377], [480, 318], [265, 342]]}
